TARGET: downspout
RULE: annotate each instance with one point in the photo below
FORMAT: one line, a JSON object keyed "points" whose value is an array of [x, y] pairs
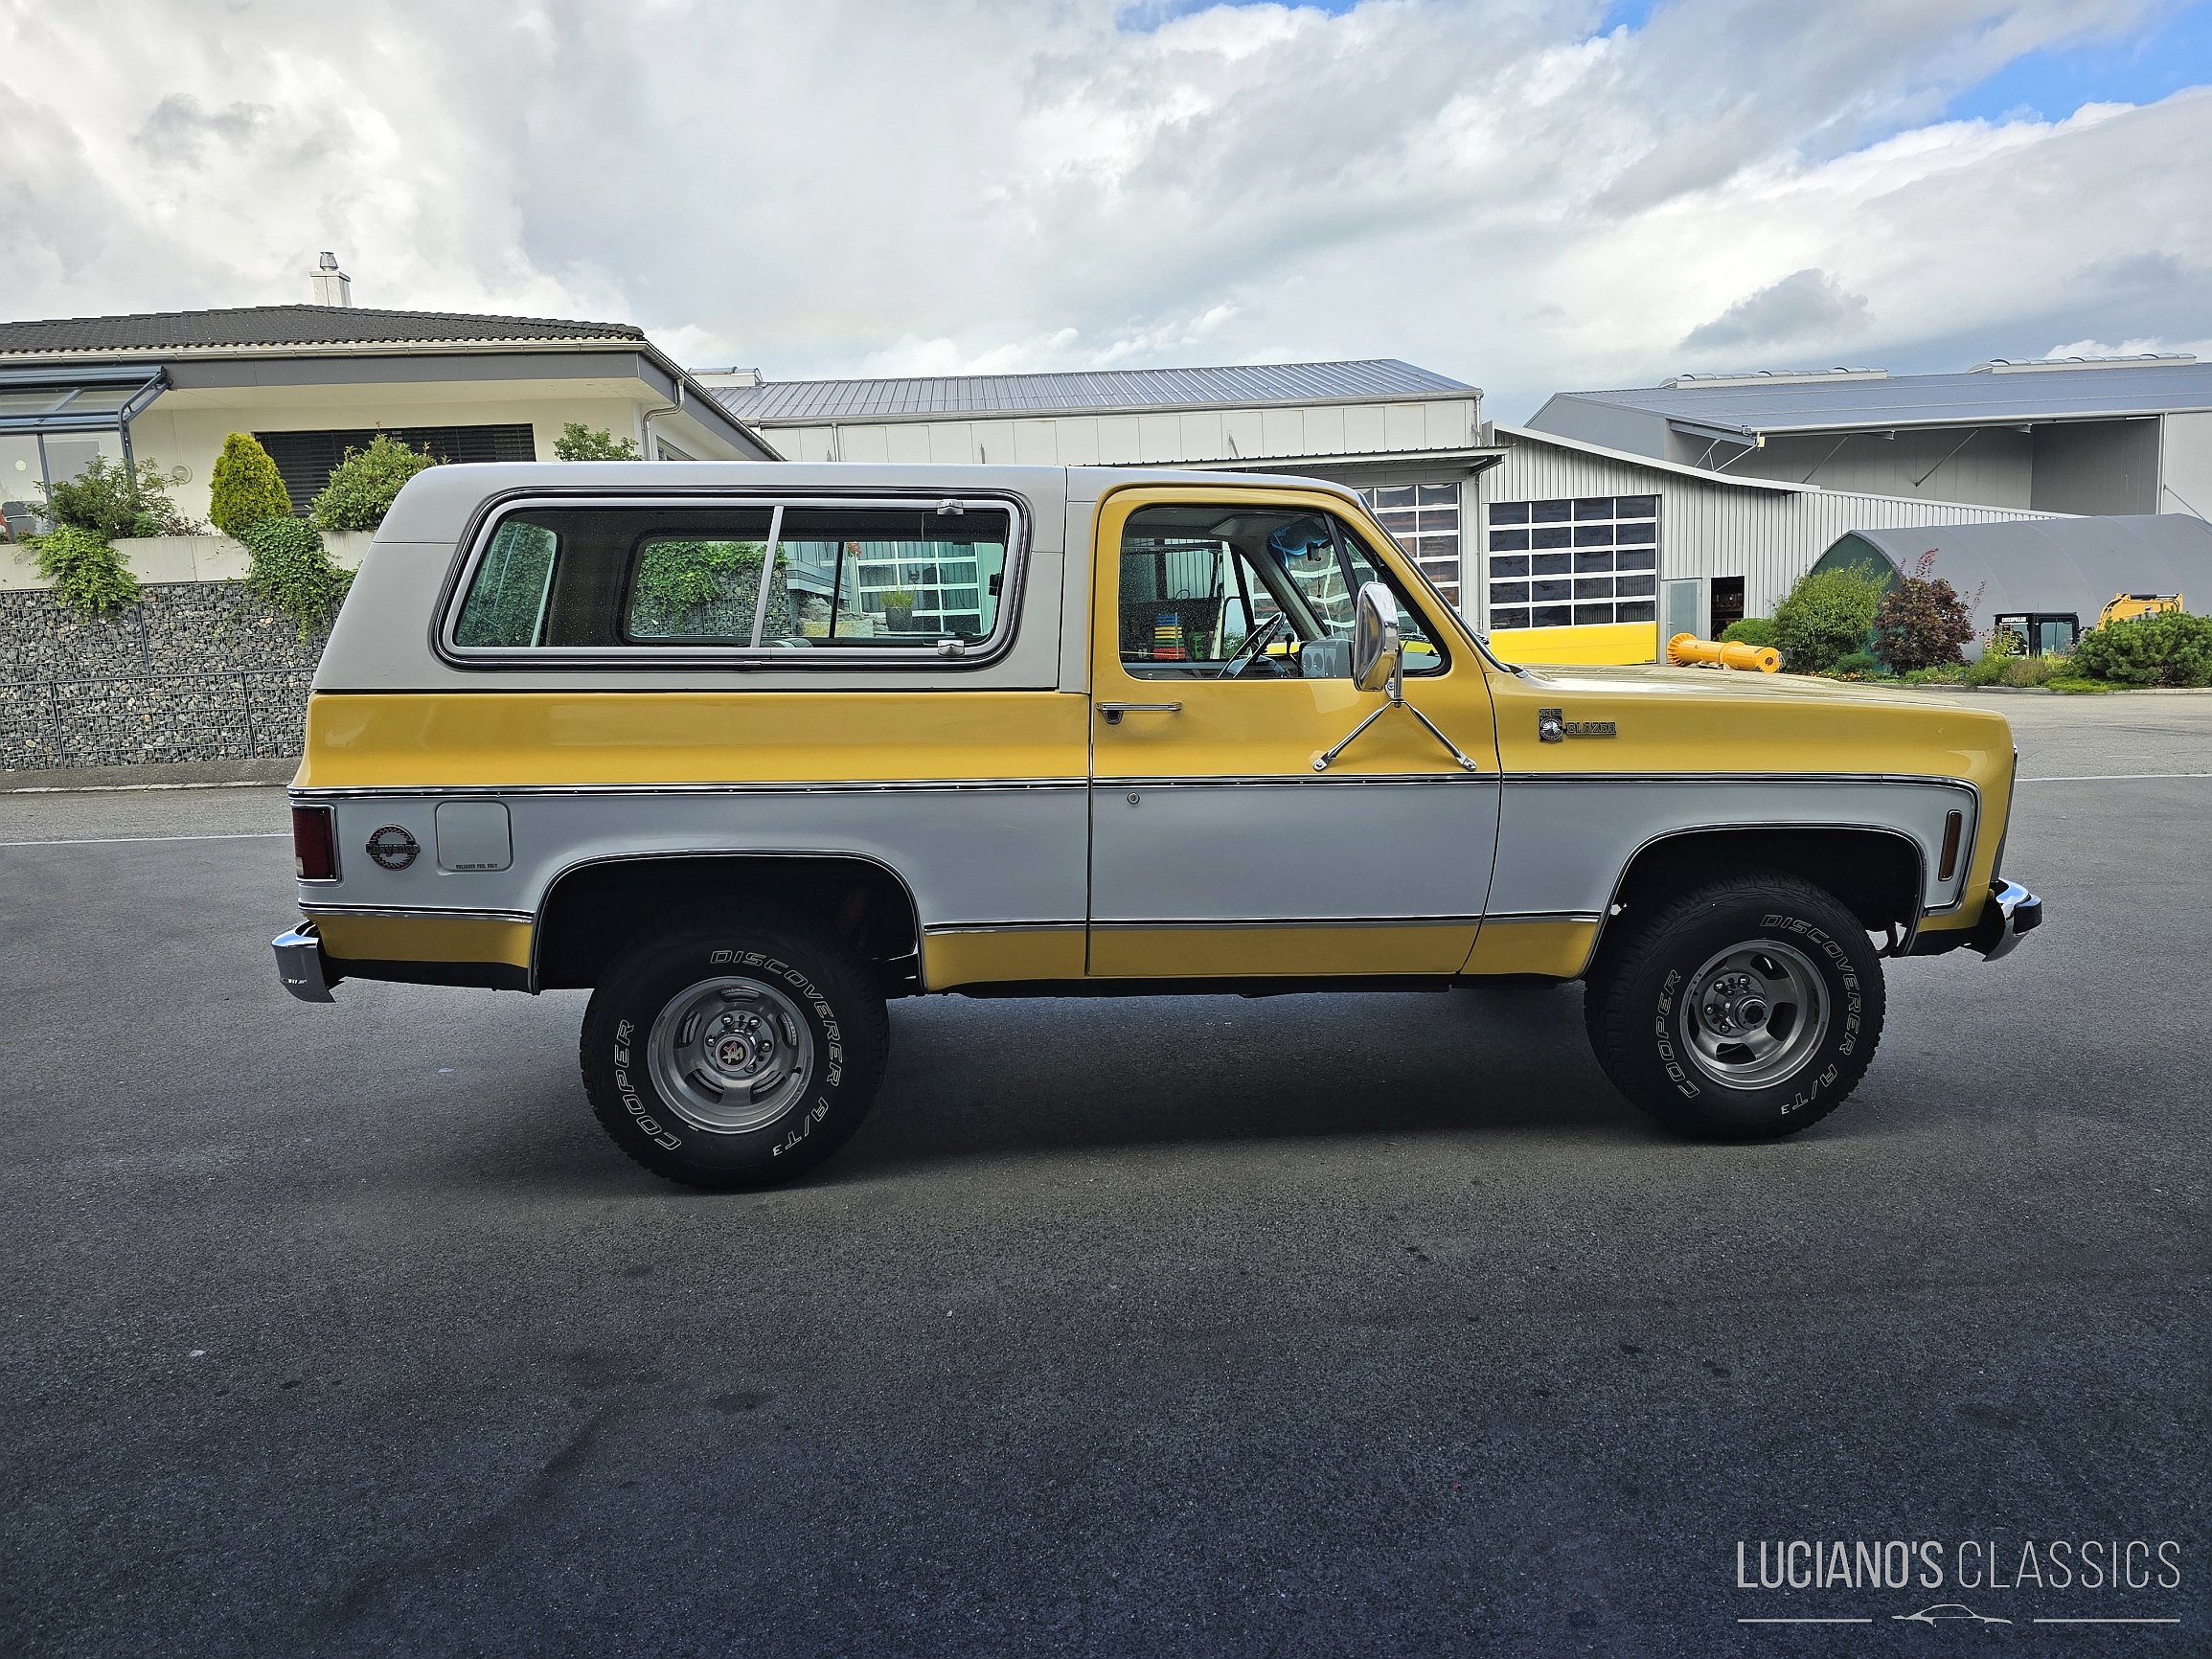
{"points": [[646, 420]]}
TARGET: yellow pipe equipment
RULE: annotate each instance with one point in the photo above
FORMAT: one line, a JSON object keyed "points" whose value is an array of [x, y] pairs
{"points": [[1688, 650]]}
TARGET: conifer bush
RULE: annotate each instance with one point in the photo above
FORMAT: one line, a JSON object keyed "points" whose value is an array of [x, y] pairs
{"points": [[2168, 648], [245, 488]]}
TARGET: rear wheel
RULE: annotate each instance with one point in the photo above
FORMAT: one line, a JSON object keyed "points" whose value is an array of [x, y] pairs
{"points": [[1745, 1011], [734, 1056]]}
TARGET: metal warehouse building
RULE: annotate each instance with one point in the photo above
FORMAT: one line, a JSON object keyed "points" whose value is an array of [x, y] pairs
{"points": [[1593, 554], [1611, 521], [1406, 438], [2091, 436]]}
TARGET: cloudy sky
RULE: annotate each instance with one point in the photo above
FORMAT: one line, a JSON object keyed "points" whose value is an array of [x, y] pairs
{"points": [[1529, 194]]}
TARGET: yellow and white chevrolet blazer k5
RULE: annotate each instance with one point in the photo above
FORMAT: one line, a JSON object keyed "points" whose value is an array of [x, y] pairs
{"points": [[747, 750]]}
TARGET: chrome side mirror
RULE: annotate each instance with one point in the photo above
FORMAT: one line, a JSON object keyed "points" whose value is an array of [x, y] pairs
{"points": [[1378, 657]]}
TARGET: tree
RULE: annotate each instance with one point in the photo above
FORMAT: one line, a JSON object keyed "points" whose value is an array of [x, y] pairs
{"points": [[245, 488], [578, 443], [1920, 624], [365, 484], [1827, 616]]}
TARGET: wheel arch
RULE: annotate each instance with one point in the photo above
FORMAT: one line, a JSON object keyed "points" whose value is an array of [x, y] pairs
{"points": [[1876, 871], [591, 909]]}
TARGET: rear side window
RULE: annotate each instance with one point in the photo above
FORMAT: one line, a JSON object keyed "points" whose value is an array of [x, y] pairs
{"points": [[644, 578]]}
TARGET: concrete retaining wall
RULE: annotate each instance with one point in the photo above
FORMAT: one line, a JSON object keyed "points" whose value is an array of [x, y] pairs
{"points": [[182, 558]]}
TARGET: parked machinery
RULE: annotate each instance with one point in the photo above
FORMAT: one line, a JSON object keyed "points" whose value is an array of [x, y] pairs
{"points": [[2126, 606], [1688, 650]]}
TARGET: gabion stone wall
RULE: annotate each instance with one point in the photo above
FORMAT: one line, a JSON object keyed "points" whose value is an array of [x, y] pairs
{"points": [[196, 671]]}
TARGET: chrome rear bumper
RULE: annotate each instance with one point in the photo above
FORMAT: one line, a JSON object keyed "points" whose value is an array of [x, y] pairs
{"points": [[300, 964], [2010, 911]]}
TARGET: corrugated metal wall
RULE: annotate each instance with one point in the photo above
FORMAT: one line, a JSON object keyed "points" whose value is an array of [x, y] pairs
{"points": [[1768, 536], [1162, 439]]}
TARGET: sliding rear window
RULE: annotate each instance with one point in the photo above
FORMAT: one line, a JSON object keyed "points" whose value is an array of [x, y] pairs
{"points": [[649, 579]]}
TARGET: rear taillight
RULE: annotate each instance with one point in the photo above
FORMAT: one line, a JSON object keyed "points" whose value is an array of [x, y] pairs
{"points": [[315, 843]]}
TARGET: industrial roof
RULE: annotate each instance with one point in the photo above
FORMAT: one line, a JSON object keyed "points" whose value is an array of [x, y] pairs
{"points": [[786, 402], [2051, 564], [1985, 398], [292, 326]]}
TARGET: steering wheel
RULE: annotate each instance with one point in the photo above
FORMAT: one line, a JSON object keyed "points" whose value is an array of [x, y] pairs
{"points": [[1255, 641]]}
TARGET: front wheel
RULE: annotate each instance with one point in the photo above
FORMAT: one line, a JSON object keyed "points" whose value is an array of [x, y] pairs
{"points": [[734, 1056], [1745, 1011]]}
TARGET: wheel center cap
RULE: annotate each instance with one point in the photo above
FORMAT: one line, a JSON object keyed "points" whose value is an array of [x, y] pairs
{"points": [[734, 1053]]}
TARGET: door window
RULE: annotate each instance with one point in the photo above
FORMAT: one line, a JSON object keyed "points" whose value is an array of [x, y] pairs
{"points": [[1239, 592]]}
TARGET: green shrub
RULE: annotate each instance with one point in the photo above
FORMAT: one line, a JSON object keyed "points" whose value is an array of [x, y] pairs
{"points": [[364, 485], [89, 574], [2171, 649], [112, 501], [1988, 672], [292, 569], [1920, 623], [1827, 615], [2033, 671], [1942, 674], [578, 443], [245, 486], [1749, 630], [1857, 666], [707, 590]]}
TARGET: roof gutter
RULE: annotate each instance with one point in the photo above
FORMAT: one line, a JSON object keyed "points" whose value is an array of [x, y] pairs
{"points": [[1816, 429]]}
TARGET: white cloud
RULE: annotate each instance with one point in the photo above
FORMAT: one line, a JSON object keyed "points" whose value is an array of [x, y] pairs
{"points": [[1487, 189]]}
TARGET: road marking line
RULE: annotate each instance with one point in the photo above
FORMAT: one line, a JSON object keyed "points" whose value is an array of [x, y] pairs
{"points": [[1805, 1620], [2106, 1620], [119, 840]]}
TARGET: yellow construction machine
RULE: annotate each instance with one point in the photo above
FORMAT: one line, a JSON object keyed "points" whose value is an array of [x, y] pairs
{"points": [[2127, 607]]}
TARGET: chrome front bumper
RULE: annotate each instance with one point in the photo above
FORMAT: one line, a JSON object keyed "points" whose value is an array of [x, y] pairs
{"points": [[2010, 911], [300, 964]]}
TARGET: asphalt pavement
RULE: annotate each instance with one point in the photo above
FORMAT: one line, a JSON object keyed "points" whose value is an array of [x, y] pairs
{"points": [[1312, 1324]]}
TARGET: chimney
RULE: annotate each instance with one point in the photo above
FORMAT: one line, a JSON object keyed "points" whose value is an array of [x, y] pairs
{"points": [[332, 286]]}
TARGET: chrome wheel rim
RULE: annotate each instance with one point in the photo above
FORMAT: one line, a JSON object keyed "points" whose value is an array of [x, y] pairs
{"points": [[1755, 1014], [730, 1055]]}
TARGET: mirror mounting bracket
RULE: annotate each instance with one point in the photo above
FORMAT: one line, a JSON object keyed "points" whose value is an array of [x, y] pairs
{"points": [[1379, 664], [1397, 700]]}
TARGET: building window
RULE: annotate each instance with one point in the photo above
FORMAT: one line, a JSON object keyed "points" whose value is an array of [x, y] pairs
{"points": [[1573, 563], [305, 459], [1425, 519]]}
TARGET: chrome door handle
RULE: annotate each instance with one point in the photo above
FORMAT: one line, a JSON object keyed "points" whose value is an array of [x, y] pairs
{"points": [[1113, 712]]}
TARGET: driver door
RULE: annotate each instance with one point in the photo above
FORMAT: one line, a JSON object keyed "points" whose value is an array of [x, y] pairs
{"points": [[1220, 670]]}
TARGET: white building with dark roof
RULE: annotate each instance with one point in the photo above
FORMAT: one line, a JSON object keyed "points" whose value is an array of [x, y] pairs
{"points": [[311, 380]]}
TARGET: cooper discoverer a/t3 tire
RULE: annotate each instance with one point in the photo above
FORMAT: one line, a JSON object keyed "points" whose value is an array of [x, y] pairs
{"points": [[734, 1056], [1745, 1011]]}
